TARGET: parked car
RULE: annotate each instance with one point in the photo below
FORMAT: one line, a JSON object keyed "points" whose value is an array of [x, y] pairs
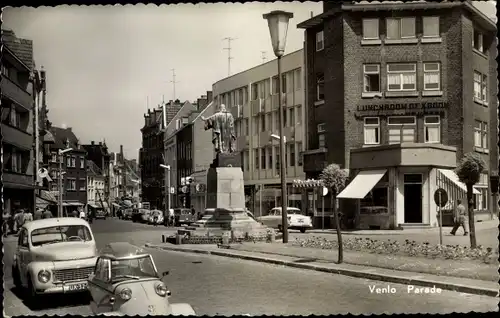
{"points": [[101, 214], [54, 255], [145, 215], [184, 216], [208, 213], [296, 220], [156, 214], [127, 213], [126, 282]]}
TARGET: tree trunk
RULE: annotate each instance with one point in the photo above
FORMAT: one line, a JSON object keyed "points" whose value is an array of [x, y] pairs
{"points": [[470, 207], [333, 198]]}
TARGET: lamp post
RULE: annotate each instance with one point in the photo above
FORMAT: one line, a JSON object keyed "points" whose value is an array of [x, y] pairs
{"points": [[167, 197], [61, 186], [277, 22]]}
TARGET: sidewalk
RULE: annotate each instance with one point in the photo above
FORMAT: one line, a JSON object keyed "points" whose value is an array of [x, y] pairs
{"points": [[411, 271]]}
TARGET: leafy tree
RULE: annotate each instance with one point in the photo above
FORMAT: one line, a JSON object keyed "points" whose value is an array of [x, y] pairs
{"points": [[335, 179], [469, 171]]}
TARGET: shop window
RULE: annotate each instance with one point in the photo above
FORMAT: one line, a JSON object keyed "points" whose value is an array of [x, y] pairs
{"points": [[401, 77], [432, 126], [432, 77], [400, 28], [320, 44], [371, 131], [431, 27], [371, 29], [375, 202], [320, 87], [256, 155], [371, 74], [401, 129], [263, 158]]}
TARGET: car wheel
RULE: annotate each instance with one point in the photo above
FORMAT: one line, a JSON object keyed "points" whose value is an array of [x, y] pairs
{"points": [[302, 230], [16, 277]]}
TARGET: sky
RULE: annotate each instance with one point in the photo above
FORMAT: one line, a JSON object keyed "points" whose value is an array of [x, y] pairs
{"points": [[105, 65]]}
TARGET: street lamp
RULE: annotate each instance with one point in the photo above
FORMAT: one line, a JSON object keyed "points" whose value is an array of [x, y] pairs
{"points": [[60, 181], [167, 167], [278, 28]]}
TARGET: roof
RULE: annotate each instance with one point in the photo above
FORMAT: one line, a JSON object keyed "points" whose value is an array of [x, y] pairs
{"points": [[22, 49], [64, 135], [40, 224], [92, 168], [398, 5], [122, 250]]}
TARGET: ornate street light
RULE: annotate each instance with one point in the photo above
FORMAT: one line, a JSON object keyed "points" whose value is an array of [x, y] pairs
{"points": [[278, 28]]}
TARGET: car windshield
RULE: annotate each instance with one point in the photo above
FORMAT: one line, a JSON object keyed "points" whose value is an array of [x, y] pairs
{"points": [[294, 211], [58, 234], [135, 268], [156, 213]]}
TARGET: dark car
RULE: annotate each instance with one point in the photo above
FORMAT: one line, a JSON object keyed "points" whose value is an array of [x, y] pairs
{"points": [[184, 216]]}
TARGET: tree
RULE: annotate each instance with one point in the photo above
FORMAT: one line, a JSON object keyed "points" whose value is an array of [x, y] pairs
{"points": [[335, 179], [469, 171]]}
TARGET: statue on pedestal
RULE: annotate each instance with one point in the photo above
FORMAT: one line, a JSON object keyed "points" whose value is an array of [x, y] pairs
{"points": [[223, 134]]}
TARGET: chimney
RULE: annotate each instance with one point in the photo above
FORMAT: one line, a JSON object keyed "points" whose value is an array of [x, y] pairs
{"points": [[92, 143], [210, 96], [69, 129]]}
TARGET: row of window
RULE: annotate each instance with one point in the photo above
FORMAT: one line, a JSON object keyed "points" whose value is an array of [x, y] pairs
{"points": [[70, 160], [404, 28], [291, 81], [264, 158], [292, 116], [70, 185]]}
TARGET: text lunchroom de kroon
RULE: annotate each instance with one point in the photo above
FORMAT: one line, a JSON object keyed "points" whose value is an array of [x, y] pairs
{"points": [[430, 105]]}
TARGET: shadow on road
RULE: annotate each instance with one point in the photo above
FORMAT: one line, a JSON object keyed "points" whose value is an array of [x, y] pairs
{"points": [[46, 302]]}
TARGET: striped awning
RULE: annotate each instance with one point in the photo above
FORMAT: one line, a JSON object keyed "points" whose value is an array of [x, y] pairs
{"points": [[307, 184]]}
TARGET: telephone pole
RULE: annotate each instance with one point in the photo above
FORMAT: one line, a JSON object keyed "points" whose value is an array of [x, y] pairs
{"points": [[173, 81], [229, 57], [264, 58]]}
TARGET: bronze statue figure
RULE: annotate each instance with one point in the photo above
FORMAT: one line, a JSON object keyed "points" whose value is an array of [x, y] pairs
{"points": [[223, 134]]}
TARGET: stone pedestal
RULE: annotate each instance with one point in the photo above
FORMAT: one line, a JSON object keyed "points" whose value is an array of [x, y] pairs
{"points": [[225, 193]]}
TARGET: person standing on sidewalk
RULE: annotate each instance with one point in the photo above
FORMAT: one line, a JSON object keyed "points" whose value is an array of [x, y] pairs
{"points": [[47, 214], [38, 214], [460, 219]]}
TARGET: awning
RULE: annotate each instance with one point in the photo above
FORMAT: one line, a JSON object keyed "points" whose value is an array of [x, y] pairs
{"points": [[362, 184], [41, 203], [92, 205], [452, 176]]}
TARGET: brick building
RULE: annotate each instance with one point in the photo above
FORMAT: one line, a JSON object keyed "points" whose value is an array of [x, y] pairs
{"points": [[152, 152], [253, 99], [74, 166], [188, 152], [17, 123], [397, 93]]}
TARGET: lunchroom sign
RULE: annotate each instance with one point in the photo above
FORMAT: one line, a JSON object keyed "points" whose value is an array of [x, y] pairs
{"points": [[427, 108]]}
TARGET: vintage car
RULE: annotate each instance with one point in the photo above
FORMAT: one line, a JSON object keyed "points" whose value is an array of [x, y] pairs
{"points": [[54, 255], [296, 220], [208, 213], [127, 213], [184, 216], [156, 217], [144, 215], [126, 282], [100, 214]]}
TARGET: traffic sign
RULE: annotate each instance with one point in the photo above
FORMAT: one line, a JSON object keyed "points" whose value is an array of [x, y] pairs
{"points": [[441, 197]]}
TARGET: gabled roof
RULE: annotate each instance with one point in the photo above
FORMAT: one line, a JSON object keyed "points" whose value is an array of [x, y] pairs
{"points": [[64, 137], [92, 168]]}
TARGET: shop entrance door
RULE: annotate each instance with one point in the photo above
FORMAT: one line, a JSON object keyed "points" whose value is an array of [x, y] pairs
{"points": [[413, 198]]}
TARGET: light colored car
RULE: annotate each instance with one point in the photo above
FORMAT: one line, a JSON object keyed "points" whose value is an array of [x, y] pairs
{"points": [[126, 282], [54, 255], [159, 217], [127, 214], [101, 214], [296, 220], [144, 215], [208, 213]]}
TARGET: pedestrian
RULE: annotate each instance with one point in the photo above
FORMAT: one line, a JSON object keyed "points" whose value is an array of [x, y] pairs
{"points": [[193, 211], [46, 214], [27, 217], [460, 219], [5, 223], [82, 214], [170, 217], [38, 214], [18, 220], [75, 213]]}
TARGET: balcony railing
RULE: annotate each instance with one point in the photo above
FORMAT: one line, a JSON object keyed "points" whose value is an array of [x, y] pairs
{"points": [[16, 93]]}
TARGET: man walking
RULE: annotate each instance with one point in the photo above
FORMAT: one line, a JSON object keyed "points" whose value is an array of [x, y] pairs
{"points": [[460, 219], [47, 214], [38, 214]]}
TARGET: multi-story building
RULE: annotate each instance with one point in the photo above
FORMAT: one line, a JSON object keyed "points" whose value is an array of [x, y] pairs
{"points": [[98, 154], [74, 167], [96, 186], [17, 123], [152, 152], [398, 93], [252, 96]]}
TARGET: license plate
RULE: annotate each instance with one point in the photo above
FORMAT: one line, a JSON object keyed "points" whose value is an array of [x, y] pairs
{"points": [[75, 287]]}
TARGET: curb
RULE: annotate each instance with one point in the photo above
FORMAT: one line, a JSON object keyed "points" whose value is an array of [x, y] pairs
{"points": [[352, 273]]}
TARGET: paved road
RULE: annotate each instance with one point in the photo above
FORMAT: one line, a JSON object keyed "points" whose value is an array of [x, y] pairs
{"points": [[216, 285]]}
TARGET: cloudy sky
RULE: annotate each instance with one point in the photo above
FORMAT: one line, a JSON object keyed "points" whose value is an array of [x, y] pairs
{"points": [[102, 63]]}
